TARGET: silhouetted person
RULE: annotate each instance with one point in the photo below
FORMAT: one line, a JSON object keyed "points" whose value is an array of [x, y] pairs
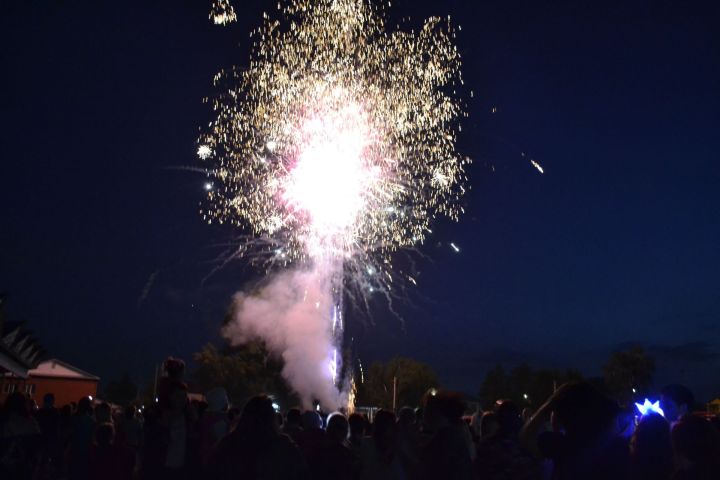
{"points": [[651, 453], [109, 461], [409, 443], [500, 455], [81, 437], [213, 424], [173, 373], [154, 442], [177, 422], [129, 429], [66, 421], [292, 426], [312, 434], [167, 434], [379, 456], [475, 422], [697, 449], [255, 449], [584, 442], [488, 425], [450, 450], [676, 401], [19, 439], [334, 460], [356, 422], [103, 413], [48, 419]]}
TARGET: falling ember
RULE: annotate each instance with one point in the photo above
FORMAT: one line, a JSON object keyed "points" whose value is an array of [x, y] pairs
{"points": [[352, 394], [222, 12], [204, 152], [537, 165], [336, 144]]}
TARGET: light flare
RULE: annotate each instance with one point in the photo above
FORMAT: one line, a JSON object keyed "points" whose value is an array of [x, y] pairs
{"points": [[331, 180], [204, 152], [649, 407]]}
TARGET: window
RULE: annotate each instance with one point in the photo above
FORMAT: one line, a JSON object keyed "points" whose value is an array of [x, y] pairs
{"points": [[30, 388], [9, 388]]}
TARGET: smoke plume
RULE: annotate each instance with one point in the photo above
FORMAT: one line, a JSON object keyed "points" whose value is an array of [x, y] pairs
{"points": [[291, 315]]}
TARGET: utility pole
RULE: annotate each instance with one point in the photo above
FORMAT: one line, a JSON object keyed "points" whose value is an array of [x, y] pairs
{"points": [[395, 394]]}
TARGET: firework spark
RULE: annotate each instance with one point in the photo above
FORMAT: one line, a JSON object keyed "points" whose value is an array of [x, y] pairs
{"points": [[222, 12], [537, 166], [335, 147], [339, 138], [204, 152]]}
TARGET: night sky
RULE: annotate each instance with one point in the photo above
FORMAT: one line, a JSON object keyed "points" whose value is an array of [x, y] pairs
{"points": [[103, 253]]}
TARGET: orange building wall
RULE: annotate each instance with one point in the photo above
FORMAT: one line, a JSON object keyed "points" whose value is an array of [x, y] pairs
{"points": [[66, 390]]}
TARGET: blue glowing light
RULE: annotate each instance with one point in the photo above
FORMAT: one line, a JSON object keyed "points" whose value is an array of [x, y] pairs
{"points": [[648, 407]]}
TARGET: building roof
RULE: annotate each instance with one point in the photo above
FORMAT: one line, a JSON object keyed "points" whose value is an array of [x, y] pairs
{"points": [[19, 351], [59, 369], [10, 366]]}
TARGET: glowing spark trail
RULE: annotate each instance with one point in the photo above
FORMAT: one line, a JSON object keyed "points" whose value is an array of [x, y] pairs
{"points": [[537, 165], [222, 12], [336, 145]]}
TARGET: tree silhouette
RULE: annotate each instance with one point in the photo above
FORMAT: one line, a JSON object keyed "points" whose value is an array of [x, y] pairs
{"points": [[627, 370], [523, 384], [122, 391], [414, 379], [244, 371], [494, 387]]}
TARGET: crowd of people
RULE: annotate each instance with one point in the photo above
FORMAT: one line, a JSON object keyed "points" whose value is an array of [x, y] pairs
{"points": [[578, 433]]}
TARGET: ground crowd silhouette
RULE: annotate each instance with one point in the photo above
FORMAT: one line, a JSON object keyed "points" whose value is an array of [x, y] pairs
{"points": [[578, 433]]}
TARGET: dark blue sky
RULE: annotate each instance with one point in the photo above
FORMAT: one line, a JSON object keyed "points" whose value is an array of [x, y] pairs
{"points": [[103, 253]]}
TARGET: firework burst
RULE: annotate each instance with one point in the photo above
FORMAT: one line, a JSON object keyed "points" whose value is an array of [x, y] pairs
{"points": [[338, 140], [334, 148]]}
